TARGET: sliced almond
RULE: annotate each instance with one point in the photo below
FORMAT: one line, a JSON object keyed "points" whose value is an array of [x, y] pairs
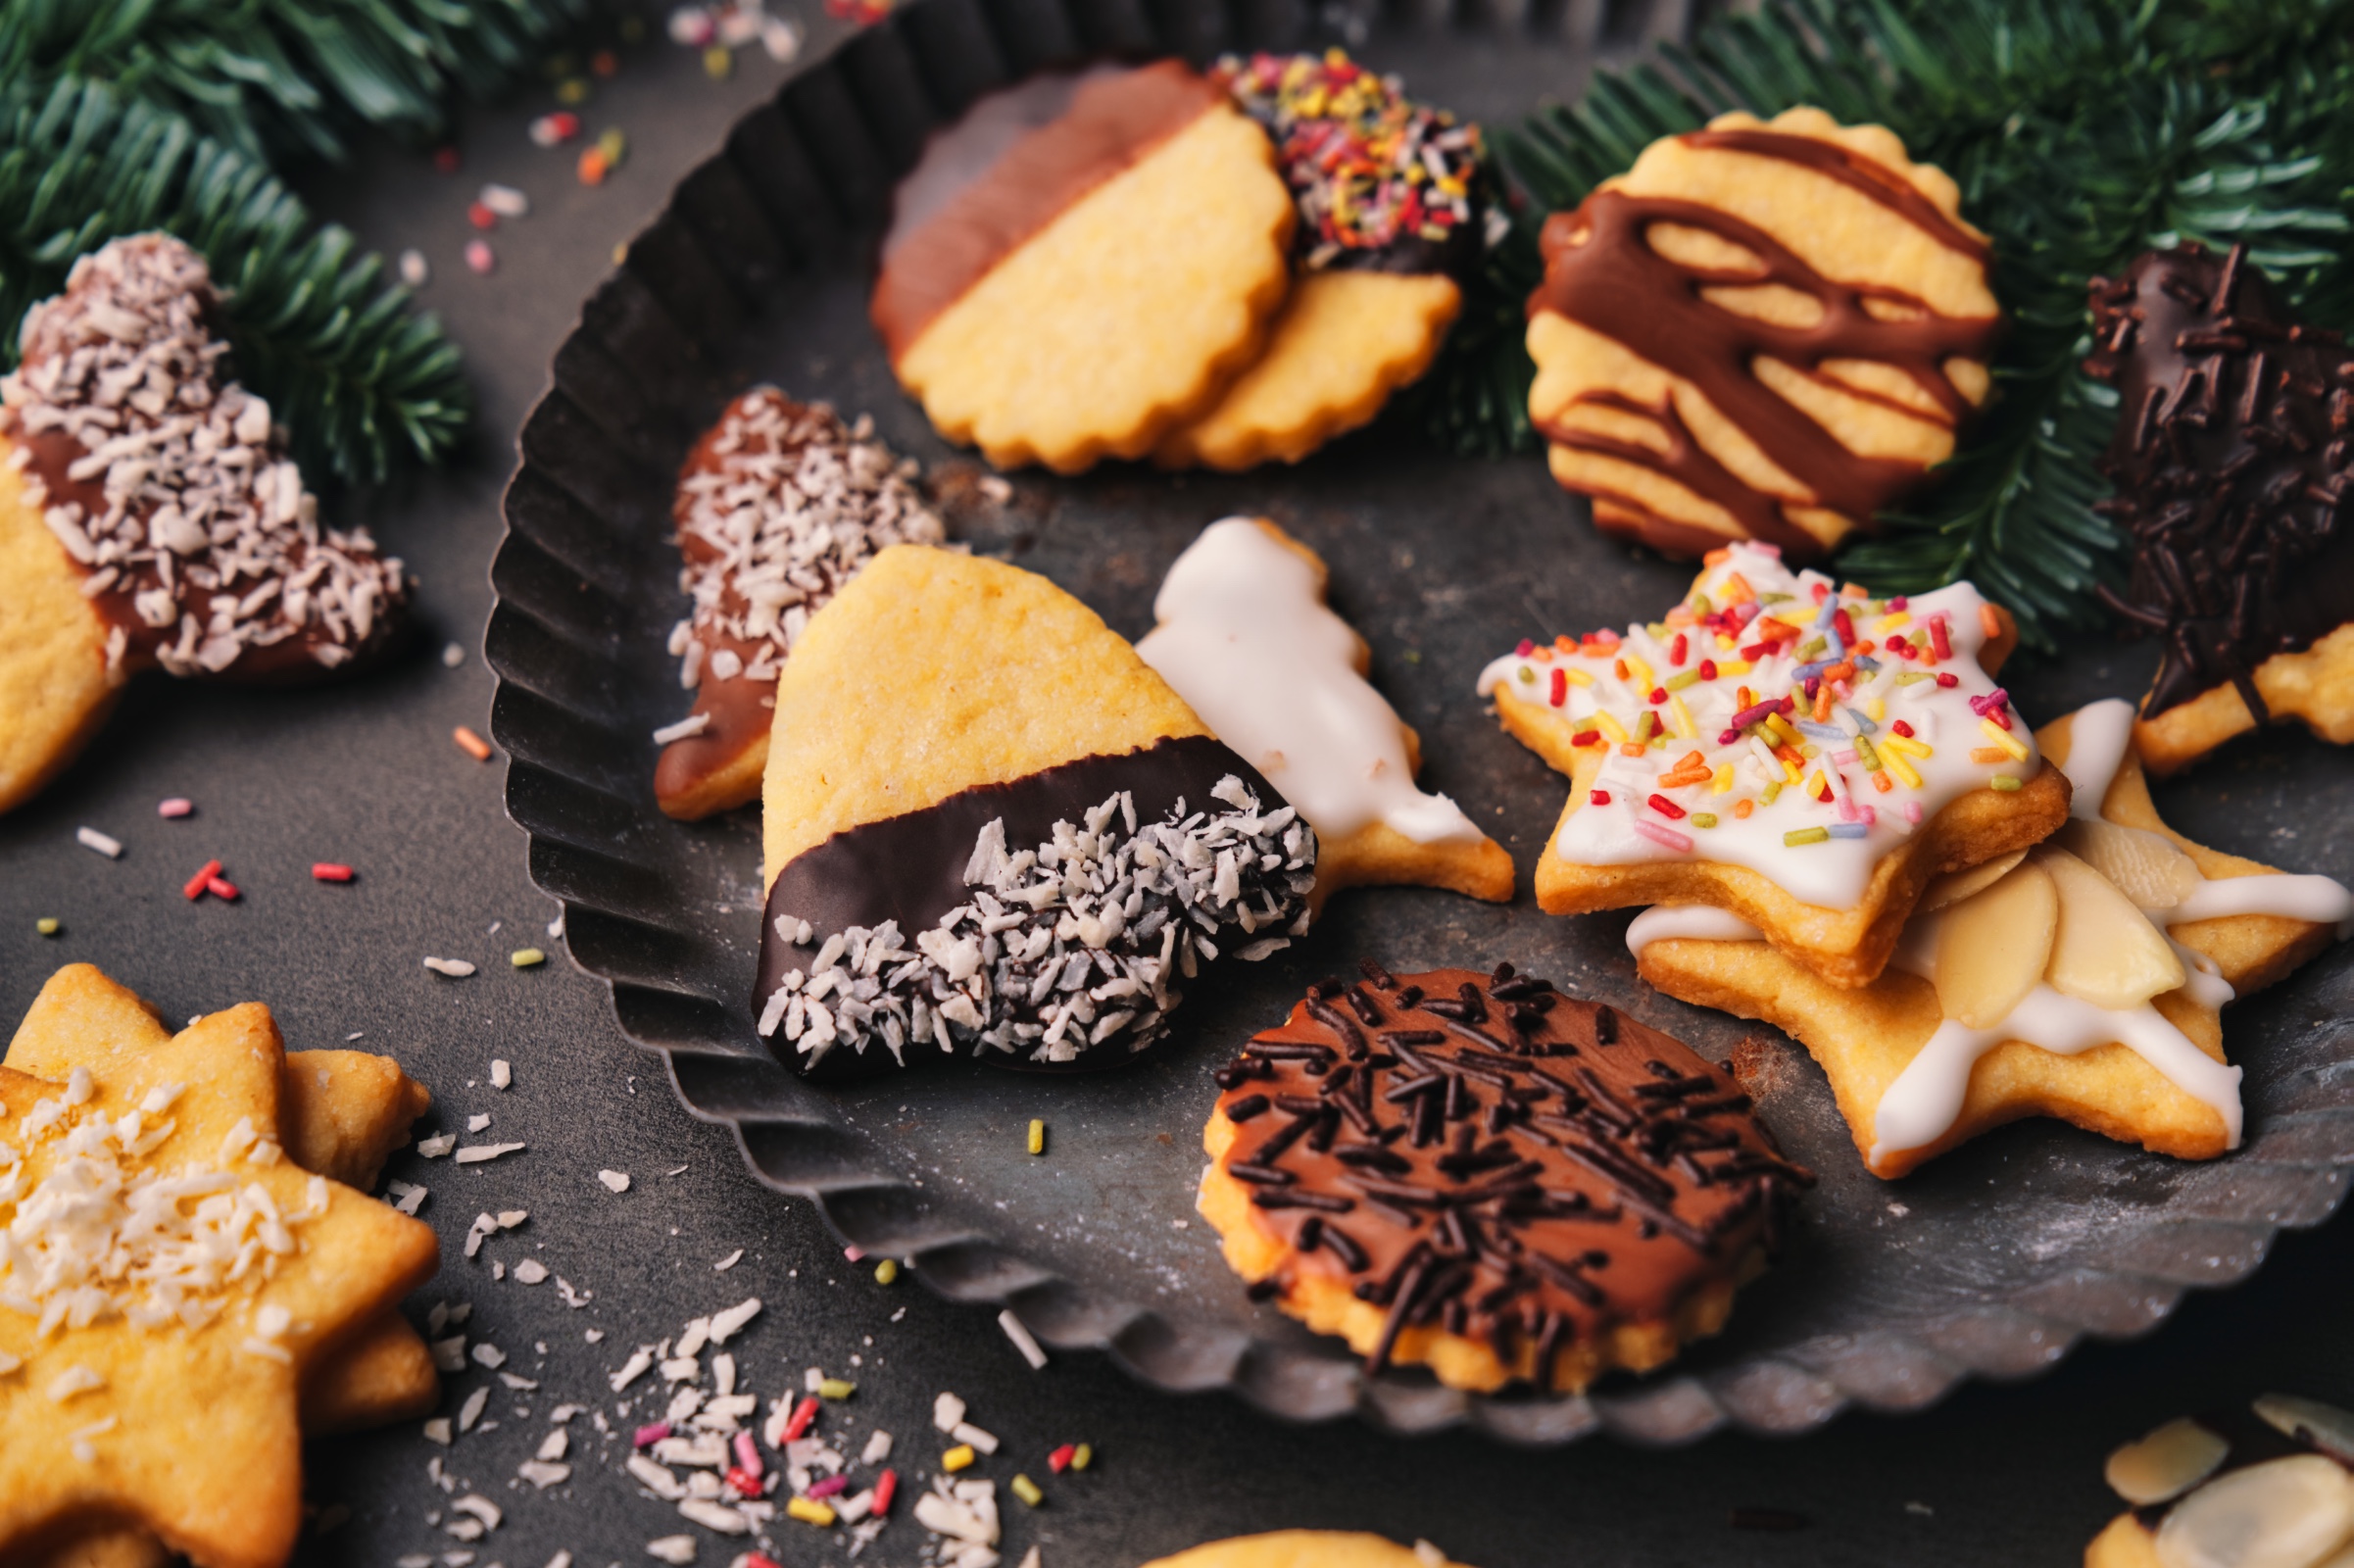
{"points": [[2289, 1513], [2167, 1464], [1993, 947], [2147, 868], [1955, 886], [2105, 950], [2309, 1421]]}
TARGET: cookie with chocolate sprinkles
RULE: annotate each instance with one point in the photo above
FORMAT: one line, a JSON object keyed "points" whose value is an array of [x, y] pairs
{"points": [[2231, 462], [1482, 1174]]}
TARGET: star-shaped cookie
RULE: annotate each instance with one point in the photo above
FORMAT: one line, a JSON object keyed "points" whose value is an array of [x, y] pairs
{"points": [[153, 1355], [2082, 979]]}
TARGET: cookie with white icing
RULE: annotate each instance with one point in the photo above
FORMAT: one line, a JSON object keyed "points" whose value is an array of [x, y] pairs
{"points": [[1801, 754], [2080, 979], [778, 505], [1083, 264], [1245, 637], [993, 831], [1768, 330], [1389, 221], [150, 517]]}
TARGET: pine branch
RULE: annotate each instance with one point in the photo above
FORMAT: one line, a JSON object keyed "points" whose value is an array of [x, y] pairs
{"points": [[362, 385]]}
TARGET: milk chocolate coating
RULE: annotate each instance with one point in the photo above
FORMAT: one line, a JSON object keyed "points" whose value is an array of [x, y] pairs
{"points": [[1484, 1154], [1601, 272], [911, 867], [2231, 461], [1113, 123]]}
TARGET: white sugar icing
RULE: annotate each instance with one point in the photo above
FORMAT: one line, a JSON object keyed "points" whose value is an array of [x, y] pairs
{"points": [[1722, 622], [1245, 639], [2097, 737], [1669, 922]]}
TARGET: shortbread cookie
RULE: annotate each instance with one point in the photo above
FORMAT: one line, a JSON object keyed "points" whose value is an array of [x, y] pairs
{"points": [[778, 506], [2081, 979], [1389, 221], [1247, 639], [147, 1385], [991, 827], [1807, 758], [2286, 1501], [1099, 281], [2229, 457], [1304, 1549], [1477, 1173], [152, 516], [1767, 330]]}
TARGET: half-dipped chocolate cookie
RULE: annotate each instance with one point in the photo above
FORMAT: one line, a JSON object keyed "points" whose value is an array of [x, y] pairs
{"points": [[778, 506], [2231, 463], [1481, 1175], [150, 516], [993, 831]]}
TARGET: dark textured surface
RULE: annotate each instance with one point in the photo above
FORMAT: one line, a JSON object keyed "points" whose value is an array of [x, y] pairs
{"points": [[366, 774]]}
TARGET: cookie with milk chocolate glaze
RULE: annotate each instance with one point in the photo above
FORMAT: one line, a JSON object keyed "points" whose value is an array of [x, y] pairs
{"points": [[778, 505], [2232, 461], [1481, 1175], [991, 831], [150, 516], [1766, 330], [1083, 263]]}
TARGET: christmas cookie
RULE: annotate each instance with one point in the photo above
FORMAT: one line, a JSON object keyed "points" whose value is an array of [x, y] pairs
{"points": [[1808, 757], [779, 505], [2080, 979], [990, 828], [1246, 637], [1071, 290], [1763, 330], [2287, 1501], [149, 515], [1304, 1548], [2230, 460], [1388, 220], [1477, 1173], [144, 1383]]}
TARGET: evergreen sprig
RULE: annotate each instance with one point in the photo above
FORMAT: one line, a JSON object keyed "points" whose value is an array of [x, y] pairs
{"points": [[2081, 133], [362, 384]]}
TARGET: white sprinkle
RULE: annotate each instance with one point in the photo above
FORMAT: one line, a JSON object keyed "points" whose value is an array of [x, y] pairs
{"points": [[471, 1411], [519, 1385], [726, 1324], [490, 1356], [476, 1125], [878, 1448], [509, 1218], [455, 968], [657, 1480], [729, 1261], [554, 1446], [966, 1431], [452, 657], [72, 1381], [1428, 1555], [691, 724], [678, 1550], [636, 1367], [716, 1516], [542, 1475], [1023, 1340], [505, 200], [614, 1181], [9, 1363], [407, 1197], [272, 1321], [415, 272], [531, 1271], [437, 1430], [947, 1411], [563, 1559], [480, 1507], [476, 1153], [91, 838], [501, 1073], [465, 1528], [437, 1146], [1031, 1559]]}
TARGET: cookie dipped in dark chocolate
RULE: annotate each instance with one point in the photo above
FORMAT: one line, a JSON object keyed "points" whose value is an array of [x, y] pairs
{"points": [[1044, 923], [1484, 1156], [2230, 461]]}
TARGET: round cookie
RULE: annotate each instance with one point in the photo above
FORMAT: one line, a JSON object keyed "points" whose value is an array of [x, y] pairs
{"points": [[1102, 278], [1764, 329], [1388, 220], [778, 505], [1306, 1549], [1477, 1173]]}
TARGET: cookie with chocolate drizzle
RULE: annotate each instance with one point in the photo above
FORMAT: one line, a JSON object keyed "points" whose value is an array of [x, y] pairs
{"points": [[2231, 462], [1484, 1175], [150, 516], [1765, 331]]}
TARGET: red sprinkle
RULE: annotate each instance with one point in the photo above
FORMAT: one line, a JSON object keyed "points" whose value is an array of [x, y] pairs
{"points": [[754, 1559], [1598, 797], [222, 888], [885, 1486], [1658, 696], [329, 871], [480, 216], [1900, 603], [1948, 680], [176, 806], [1902, 728], [1666, 808], [1756, 651], [1586, 737], [1677, 651], [202, 880], [1526, 648], [828, 1486], [650, 1434], [1561, 687], [1708, 669], [1822, 592], [747, 1485], [1061, 1459], [445, 159], [805, 1415], [1938, 643], [1846, 627]]}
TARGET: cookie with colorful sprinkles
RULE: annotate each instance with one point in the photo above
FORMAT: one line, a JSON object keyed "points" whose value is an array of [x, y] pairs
{"points": [[2081, 979], [1798, 753], [1390, 217], [1478, 1173], [993, 831], [778, 505], [1766, 330]]}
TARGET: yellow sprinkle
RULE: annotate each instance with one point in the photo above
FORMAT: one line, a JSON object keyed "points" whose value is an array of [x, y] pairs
{"points": [[1723, 784], [1027, 1489], [620, 252], [1611, 727], [956, 1458], [1684, 729], [885, 1271], [1639, 672], [1790, 770], [1814, 784], [2002, 781], [718, 63], [1896, 764], [1773, 788], [1082, 1455], [1889, 623], [46, 925], [1575, 677], [574, 90], [1733, 666], [1784, 728], [810, 1512], [1038, 1136], [2005, 739], [836, 1389], [526, 958], [1876, 708], [1905, 744]]}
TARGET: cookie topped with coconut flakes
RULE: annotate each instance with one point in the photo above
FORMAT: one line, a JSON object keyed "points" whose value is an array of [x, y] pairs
{"points": [[778, 506], [169, 486]]}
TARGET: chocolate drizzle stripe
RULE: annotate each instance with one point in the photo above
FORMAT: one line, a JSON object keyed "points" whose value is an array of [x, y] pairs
{"points": [[1851, 169]]}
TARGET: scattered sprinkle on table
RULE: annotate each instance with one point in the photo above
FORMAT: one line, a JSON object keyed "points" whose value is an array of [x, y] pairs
{"points": [[480, 256], [415, 271], [176, 806], [198, 885], [1038, 1136], [1023, 1340], [452, 657], [885, 1271], [554, 131], [89, 837], [502, 1072], [1027, 1489], [476, 1153], [526, 958], [729, 1261], [437, 1146], [614, 1181], [505, 200], [330, 872], [454, 968], [957, 1458], [473, 745], [47, 925]]}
